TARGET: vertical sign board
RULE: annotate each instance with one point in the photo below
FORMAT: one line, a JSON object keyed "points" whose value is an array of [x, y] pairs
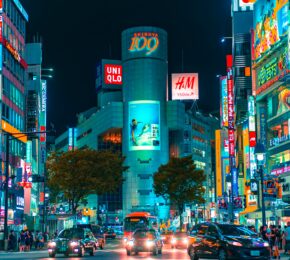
{"points": [[224, 101], [263, 125]]}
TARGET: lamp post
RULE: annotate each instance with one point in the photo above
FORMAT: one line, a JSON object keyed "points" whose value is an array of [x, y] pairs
{"points": [[260, 153]]}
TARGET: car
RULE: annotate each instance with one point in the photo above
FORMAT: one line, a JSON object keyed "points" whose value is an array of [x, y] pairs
{"points": [[110, 233], [76, 241], [166, 236], [179, 240], [226, 241], [98, 233], [144, 240]]}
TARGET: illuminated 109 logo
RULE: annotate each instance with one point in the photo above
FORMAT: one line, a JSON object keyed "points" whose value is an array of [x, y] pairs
{"points": [[144, 41]]}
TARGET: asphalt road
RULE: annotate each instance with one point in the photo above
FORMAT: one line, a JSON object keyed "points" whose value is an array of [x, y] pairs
{"points": [[113, 250]]}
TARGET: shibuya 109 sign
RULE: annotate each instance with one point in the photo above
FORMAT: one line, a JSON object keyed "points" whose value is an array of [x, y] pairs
{"points": [[146, 42], [185, 86]]}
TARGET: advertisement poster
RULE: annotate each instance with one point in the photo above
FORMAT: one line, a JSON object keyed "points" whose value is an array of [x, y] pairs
{"points": [[144, 128], [271, 23], [185, 86], [284, 101]]}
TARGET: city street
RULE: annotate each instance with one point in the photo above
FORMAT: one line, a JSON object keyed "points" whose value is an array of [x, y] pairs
{"points": [[112, 251]]}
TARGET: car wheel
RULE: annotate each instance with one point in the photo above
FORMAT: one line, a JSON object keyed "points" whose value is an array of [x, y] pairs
{"points": [[192, 254], [82, 252], [66, 254], [51, 254], [222, 254], [93, 251], [136, 252], [128, 252]]}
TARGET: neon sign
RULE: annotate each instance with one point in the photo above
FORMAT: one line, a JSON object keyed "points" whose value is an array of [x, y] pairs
{"points": [[15, 53], [144, 41]]}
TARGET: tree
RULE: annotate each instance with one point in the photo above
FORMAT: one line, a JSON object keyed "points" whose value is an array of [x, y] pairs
{"points": [[80, 173], [180, 182]]}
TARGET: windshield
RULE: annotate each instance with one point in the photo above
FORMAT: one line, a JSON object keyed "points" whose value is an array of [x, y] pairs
{"points": [[132, 223], [144, 234], [180, 234], [231, 230], [72, 234]]}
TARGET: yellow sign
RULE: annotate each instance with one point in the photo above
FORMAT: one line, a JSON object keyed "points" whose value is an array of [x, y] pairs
{"points": [[6, 127]]}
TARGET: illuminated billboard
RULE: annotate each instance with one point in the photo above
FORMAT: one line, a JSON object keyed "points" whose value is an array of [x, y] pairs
{"points": [[144, 125], [109, 74], [224, 101], [184, 86], [144, 42], [271, 24]]}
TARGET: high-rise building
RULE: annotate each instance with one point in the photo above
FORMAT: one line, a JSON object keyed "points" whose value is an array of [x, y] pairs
{"points": [[13, 19]]}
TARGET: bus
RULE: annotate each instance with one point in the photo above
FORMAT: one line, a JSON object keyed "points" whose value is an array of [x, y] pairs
{"points": [[137, 220]]}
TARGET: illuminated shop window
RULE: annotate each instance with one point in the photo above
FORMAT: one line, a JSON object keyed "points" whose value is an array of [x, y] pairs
{"points": [[200, 165]]}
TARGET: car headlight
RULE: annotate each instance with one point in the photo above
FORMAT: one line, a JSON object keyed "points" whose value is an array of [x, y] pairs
{"points": [[74, 243], [266, 244], [149, 243], [173, 241], [185, 240], [52, 244], [125, 240], [130, 243], [235, 243]]}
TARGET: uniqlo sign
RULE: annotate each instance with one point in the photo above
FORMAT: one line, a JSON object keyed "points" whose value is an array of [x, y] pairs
{"points": [[113, 74]]}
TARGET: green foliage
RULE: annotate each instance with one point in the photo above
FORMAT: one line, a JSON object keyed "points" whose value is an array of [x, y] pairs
{"points": [[180, 182], [79, 173]]}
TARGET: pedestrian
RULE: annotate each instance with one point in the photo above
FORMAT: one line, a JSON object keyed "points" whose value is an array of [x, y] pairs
{"points": [[36, 240], [31, 239], [279, 236], [21, 241], [276, 251], [41, 240], [12, 241], [27, 241], [287, 238]]}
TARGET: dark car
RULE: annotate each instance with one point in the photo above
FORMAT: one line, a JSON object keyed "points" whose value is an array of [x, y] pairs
{"points": [[226, 241], [98, 233], [166, 237], [179, 240], [110, 233], [76, 241], [144, 240]]}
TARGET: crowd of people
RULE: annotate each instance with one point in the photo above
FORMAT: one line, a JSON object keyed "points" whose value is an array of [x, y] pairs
{"points": [[27, 240], [278, 238]]}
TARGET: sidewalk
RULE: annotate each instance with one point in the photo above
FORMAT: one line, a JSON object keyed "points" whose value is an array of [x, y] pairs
{"points": [[24, 252]]}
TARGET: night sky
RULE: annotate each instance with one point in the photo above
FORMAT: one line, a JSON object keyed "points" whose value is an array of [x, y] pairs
{"points": [[76, 34]]}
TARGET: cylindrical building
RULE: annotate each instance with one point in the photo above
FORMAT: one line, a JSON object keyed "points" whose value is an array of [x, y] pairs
{"points": [[145, 131]]}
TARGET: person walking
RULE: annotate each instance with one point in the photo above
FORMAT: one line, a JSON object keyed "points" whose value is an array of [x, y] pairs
{"points": [[27, 241], [21, 241], [287, 238], [12, 241]]}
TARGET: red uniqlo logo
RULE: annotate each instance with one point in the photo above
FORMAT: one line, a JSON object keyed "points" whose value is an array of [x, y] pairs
{"points": [[113, 74]]}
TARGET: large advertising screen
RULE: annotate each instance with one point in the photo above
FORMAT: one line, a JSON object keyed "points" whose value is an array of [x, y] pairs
{"points": [[271, 24], [144, 125], [185, 86]]}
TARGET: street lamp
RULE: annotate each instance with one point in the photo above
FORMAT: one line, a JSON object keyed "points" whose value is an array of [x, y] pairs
{"points": [[260, 153], [223, 39]]}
